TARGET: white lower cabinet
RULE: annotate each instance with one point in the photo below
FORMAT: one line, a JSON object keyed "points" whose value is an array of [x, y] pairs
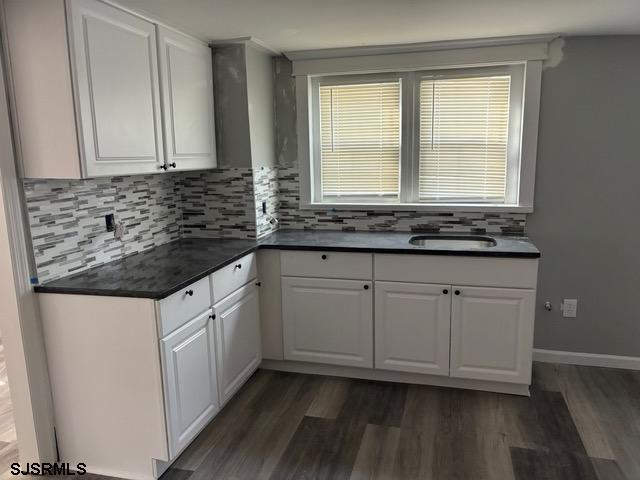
{"points": [[328, 321], [412, 327], [492, 334], [239, 345], [191, 391]]}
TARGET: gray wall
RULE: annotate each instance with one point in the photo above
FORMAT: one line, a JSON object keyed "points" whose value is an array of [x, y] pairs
{"points": [[285, 110], [587, 200], [232, 115], [260, 99]]}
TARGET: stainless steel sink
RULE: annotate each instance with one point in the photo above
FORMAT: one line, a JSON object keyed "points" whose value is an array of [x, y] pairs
{"points": [[453, 241]]}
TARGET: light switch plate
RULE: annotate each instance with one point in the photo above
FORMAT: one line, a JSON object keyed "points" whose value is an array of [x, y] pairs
{"points": [[569, 307]]}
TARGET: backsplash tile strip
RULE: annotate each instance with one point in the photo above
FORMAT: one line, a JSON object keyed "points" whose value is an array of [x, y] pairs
{"points": [[218, 203], [265, 185], [67, 223], [68, 228], [291, 216]]}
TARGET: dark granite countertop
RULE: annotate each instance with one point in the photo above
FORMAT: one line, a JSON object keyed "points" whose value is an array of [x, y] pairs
{"points": [[394, 242], [163, 270], [155, 273]]}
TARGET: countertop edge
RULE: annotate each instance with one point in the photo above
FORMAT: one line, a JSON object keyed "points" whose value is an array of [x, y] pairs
{"points": [[159, 295], [406, 251]]}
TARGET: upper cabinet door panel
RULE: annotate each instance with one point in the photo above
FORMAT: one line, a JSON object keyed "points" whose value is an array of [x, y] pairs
{"points": [[118, 89], [187, 90]]}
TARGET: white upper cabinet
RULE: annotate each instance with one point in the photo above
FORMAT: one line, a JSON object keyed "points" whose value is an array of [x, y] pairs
{"points": [[492, 333], [412, 327], [98, 91], [187, 93], [118, 89]]}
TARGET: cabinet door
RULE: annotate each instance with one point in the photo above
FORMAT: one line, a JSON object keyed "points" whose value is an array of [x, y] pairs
{"points": [[191, 391], [328, 321], [413, 327], [118, 94], [238, 339], [492, 334], [187, 92]]}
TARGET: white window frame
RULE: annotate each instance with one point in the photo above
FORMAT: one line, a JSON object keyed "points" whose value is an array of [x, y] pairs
{"points": [[316, 174], [527, 56], [516, 95]]}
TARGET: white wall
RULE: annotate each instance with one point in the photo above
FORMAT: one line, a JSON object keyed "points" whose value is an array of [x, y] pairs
{"points": [[19, 317]]}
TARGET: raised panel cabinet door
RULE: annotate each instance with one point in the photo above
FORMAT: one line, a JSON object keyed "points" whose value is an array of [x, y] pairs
{"points": [[187, 93], [114, 55], [412, 323], [328, 321], [492, 334], [239, 347], [190, 377]]}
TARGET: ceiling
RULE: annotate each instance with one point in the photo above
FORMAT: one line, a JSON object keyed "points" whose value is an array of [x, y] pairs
{"points": [[289, 25]]}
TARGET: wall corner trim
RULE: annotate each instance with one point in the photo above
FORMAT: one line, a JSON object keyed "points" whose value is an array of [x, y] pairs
{"points": [[586, 359]]}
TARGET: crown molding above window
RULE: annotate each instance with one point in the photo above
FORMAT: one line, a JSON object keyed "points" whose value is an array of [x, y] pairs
{"points": [[417, 56], [417, 47]]}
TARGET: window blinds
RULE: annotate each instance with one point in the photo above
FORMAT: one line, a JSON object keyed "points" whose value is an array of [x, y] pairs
{"points": [[464, 125], [360, 139]]}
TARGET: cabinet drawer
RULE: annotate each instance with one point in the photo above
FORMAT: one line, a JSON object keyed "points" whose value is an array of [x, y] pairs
{"points": [[179, 308], [357, 266], [452, 270], [230, 278]]}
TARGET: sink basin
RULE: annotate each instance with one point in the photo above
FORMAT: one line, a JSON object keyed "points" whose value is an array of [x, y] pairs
{"points": [[453, 241]]}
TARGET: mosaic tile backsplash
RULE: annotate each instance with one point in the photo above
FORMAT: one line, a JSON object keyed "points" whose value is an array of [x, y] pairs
{"points": [[218, 203], [265, 186], [68, 227], [67, 222], [291, 216]]}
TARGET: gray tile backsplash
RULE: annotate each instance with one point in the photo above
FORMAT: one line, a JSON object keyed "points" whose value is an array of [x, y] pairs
{"points": [[218, 203], [67, 222], [265, 185], [291, 216], [68, 227]]}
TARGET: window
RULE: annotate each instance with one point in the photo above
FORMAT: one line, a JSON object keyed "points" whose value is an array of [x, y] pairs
{"points": [[360, 140], [464, 136], [424, 138]]}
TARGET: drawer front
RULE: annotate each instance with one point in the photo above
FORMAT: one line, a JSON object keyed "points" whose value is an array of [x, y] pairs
{"points": [[452, 270], [356, 266], [182, 306], [230, 278]]}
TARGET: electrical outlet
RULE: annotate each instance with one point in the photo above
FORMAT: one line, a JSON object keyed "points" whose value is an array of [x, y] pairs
{"points": [[109, 222], [569, 307]]}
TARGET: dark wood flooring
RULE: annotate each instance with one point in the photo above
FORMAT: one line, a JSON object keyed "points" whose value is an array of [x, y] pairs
{"points": [[580, 423]]}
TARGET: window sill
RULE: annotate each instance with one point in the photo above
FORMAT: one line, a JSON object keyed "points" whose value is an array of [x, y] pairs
{"points": [[420, 207]]}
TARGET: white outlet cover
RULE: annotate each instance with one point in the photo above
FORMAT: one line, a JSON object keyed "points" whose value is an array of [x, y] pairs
{"points": [[569, 307]]}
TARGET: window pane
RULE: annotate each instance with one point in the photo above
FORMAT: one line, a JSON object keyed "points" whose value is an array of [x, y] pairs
{"points": [[464, 129], [360, 139]]}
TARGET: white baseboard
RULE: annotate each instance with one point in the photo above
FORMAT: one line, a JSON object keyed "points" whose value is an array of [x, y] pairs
{"points": [[588, 359]]}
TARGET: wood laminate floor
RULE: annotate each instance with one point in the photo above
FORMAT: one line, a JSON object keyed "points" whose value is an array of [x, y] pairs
{"points": [[581, 423]]}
